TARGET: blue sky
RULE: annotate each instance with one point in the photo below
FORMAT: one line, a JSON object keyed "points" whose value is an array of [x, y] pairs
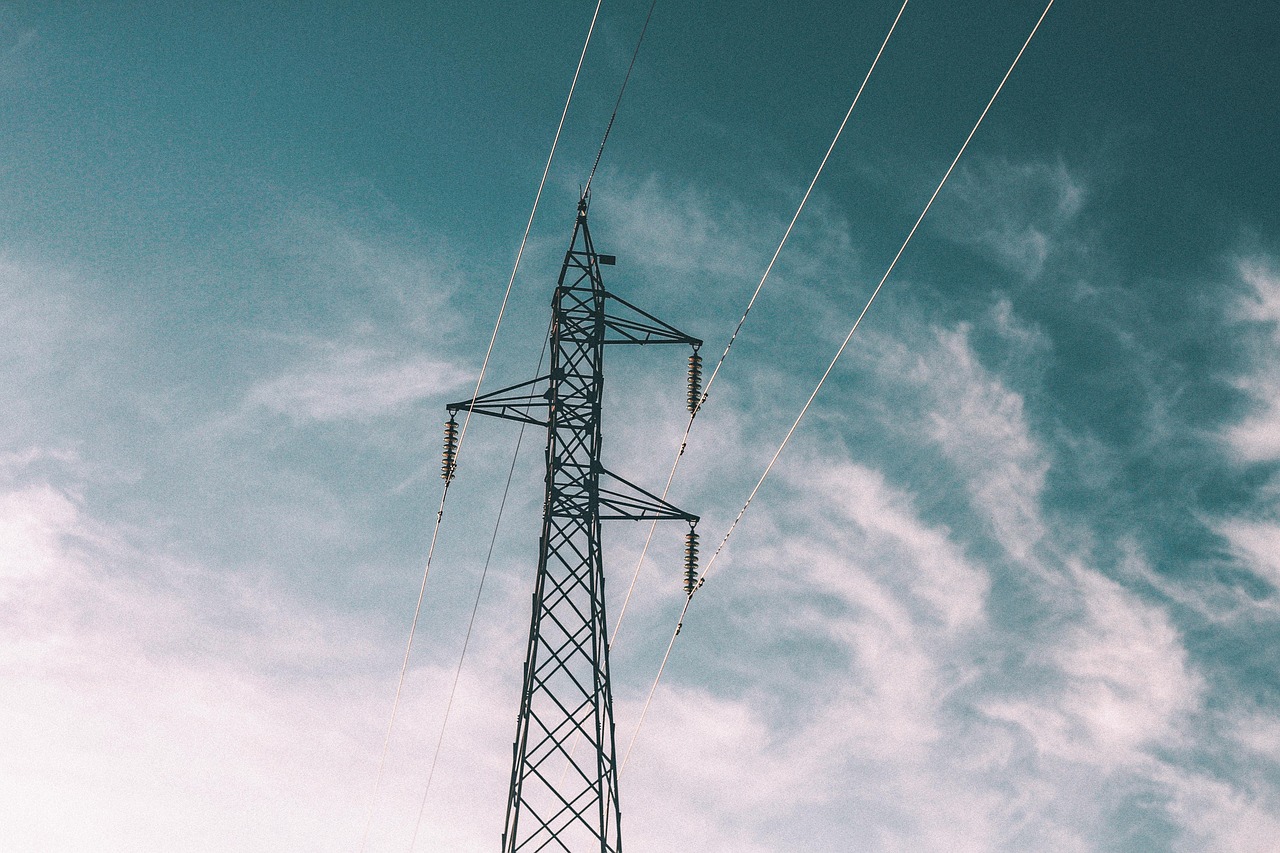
{"points": [[1014, 585]]}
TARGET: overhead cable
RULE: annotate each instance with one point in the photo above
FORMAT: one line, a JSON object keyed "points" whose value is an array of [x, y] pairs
{"points": [[696, 405], [475, 607], [519, 439], [616, 104], [417, 610], [804, 409]]}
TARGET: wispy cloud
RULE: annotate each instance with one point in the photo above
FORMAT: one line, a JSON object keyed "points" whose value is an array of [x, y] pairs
{"points": [[1125, 684], [1219, 817], [51, 323], [1019, 212], [141, 682], [1257, 437], [1253, 535], [336, 383], [388, 294], [684, 233], [971, 416], [939, 682], [952, 590], [1257, 545]]}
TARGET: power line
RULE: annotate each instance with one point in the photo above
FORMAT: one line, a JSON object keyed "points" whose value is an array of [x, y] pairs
{"points": [[404, 666], [804, 409], [750, 304], [417, 610], [622, 90], [484, 572], [475, 607], [586, 190]]}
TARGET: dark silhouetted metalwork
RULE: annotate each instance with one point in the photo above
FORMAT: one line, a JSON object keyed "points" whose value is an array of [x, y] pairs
{"points": [[564, 795]]}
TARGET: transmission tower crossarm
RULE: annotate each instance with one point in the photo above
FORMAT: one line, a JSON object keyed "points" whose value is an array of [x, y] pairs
{"points": [[636, 326], [623, 500], [512, 403]]}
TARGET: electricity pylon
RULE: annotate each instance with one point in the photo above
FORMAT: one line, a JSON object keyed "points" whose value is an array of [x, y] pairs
{"points": [[564, 795]]}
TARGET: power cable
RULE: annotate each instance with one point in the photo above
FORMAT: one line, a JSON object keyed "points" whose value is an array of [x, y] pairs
{"points": [[404, 666], [804, 409], [622, 90], [484, 572], [750, 304], [475, 607]]}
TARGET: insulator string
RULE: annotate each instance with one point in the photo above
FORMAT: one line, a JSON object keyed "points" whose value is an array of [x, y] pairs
{"points": [[449, 458], [694, 395], [690, 561]]}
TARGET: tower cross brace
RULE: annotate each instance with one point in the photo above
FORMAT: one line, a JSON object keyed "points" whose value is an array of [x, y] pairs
{"points": [[564, 776]]}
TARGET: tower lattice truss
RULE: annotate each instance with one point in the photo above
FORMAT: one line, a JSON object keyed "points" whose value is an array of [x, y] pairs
{"points": [[564, 775]]}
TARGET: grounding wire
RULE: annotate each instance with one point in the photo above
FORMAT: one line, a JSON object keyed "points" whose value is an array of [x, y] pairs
{"points": [[618, 103], [804, 409], [586, 190], [750, 304], [475, 607], [404, 666], [635, 53]]}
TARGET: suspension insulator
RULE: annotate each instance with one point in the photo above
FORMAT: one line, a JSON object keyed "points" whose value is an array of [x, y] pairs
{"points": [[449, 459], [690, 561], [695, 382]]}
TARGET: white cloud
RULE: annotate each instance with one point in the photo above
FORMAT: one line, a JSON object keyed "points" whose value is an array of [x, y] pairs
{"points": [[953, 589], [1253, 538], [1217, 603], [684, 232], [1219, 818], [1260, 734], [367, 261], [1023, 338], [1095, 680], [155, 703], [33, 522], [981, 425], [160, 695], [338, 383], [974, 419], [923, 710], [1019, 212], [389, 289], [1122, 682], [873, 734], [1257, 545], [1257, 437], [57, 348], [1262, 305], [703, 256]]}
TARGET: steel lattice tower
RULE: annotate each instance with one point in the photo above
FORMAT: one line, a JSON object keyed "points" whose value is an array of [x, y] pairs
{"points": [[564, 776]]}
